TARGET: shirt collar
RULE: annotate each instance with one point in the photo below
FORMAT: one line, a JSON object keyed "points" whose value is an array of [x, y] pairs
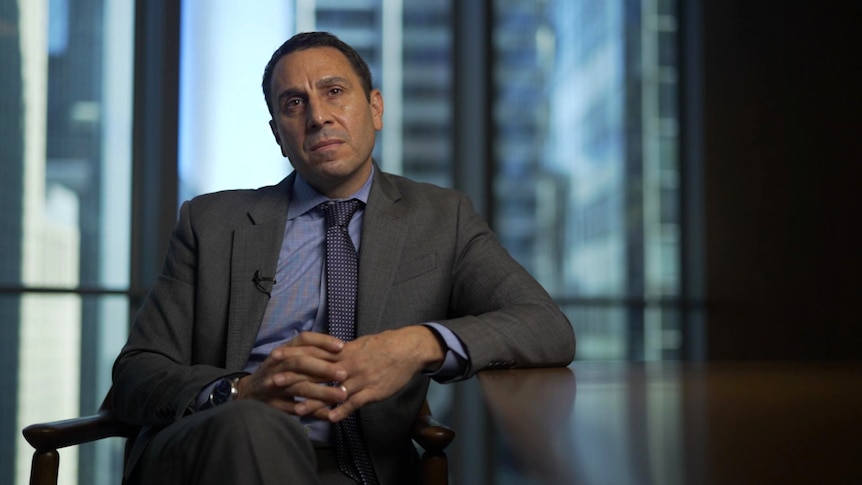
{"points": [[304, 197]]}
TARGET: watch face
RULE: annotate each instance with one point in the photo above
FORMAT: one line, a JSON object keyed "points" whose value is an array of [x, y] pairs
{"points": [[222, 392]]}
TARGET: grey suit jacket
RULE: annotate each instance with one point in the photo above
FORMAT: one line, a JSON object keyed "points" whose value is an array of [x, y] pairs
{"points": [[426, 255]]}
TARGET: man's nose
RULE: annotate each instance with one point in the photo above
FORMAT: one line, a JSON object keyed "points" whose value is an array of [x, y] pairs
{"points": [[317, 114]]}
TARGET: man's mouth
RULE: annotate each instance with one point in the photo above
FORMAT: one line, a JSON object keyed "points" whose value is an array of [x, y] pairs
{"points": [[322, 145]]}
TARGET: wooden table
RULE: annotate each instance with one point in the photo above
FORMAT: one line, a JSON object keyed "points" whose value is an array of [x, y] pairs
{"points": [[669, 423]]}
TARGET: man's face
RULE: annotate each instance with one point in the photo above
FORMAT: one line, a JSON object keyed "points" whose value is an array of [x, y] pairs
{"points": [[323, 121]]}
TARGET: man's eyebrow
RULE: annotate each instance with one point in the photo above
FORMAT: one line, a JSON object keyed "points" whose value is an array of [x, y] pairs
{"points": [[288, 93], [330, 80]]}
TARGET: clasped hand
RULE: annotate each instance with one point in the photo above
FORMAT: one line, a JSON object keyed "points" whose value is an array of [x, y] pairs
{"points": [[298, 376]]}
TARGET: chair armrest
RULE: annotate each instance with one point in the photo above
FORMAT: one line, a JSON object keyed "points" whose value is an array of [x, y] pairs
{"points": [[68, 432], [432, 435]]}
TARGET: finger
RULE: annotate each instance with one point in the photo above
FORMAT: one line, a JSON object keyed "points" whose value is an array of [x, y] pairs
{"points": [[286, 379], [325, 413], [323, 341], [320, 398], [340, 412], [343, 410], [287, 352], [305, 360], [321, 414], [317, 391], [314, 371], [313, 407], [286, 405]]}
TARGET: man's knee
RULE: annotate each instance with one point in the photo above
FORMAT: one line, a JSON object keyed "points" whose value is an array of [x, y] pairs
{"points": [[254, 420], [246, 412], [208, 445]]}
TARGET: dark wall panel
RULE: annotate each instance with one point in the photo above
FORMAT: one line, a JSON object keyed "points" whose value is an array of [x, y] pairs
{"points": [[781, 153]]}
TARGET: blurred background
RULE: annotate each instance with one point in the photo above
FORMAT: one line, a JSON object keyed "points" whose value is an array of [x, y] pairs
{"points": [[680, 175]]}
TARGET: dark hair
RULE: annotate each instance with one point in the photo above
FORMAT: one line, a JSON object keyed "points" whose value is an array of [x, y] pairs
{"points": [[307, 40]]}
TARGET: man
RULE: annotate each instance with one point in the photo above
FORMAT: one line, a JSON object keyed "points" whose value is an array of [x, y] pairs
{"points": [[232, 365]]}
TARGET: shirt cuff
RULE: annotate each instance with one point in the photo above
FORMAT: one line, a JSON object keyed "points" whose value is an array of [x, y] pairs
{"points": [[455, 362]]}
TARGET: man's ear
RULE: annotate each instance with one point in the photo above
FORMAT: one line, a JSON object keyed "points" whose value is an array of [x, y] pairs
{"points": [[376, 100]]}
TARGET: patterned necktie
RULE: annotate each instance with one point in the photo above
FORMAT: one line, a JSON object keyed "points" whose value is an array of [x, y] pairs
{"points": [[342, 284]]}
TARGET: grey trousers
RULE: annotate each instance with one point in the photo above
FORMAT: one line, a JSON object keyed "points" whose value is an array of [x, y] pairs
{"points": [[241, 442]]}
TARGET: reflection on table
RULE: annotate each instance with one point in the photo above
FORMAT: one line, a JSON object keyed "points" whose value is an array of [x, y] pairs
{"points": [[668, 423]]}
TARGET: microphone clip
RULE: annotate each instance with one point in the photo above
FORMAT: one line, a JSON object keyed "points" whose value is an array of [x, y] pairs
{"points": [[259, 280]]}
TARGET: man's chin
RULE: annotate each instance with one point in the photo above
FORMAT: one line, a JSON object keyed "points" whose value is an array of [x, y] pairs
{"points": [[330, 176], [334, 169]]}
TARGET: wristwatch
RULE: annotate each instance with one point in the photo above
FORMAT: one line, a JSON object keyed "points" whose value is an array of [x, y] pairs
{"points": [[225, 390]]}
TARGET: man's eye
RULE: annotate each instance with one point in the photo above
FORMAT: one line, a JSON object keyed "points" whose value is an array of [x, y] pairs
{"points": [[293, 104], [335, 91]]}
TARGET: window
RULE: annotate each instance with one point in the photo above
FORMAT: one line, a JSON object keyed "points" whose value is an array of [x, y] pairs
{"points": [[65, 145], [586, 186]]}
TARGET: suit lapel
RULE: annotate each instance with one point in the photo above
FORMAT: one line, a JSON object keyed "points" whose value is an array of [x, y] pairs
{"points": [[254, 257], [383, 234]]}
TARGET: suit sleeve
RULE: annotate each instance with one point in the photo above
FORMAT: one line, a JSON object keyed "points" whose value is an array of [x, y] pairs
{"points": [[502, 314], [155, 382]]}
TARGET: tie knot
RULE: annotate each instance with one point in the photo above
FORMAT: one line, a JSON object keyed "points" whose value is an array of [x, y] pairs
{"points": [[339, 212]]}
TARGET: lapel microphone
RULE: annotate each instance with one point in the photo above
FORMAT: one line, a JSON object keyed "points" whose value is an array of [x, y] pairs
{"points": [[258, 280]]}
